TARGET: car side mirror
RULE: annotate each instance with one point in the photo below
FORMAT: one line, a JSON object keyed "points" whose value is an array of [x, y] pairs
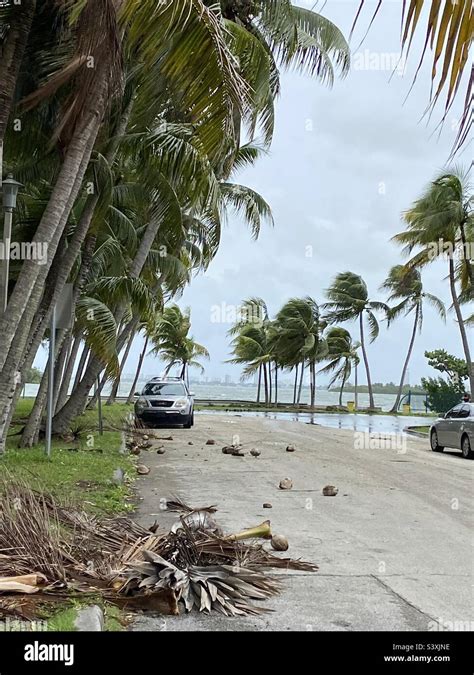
{"points": [[191, 393], [137, 393]]}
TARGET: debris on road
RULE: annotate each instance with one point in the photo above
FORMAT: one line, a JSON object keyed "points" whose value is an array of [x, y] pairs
{"points": [[161, 451], [290, 448], [63, 550], [255, 453], [267, 505], [26, 583], [279, 542], [330, 491], [143, 470], [286, 484], [211, 441]]}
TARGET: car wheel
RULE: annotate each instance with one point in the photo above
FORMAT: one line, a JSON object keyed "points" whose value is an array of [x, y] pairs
{"points": [[467, 453], [435, 446], [189, 422]]}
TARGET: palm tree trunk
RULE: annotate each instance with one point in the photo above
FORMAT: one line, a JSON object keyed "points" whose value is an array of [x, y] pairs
{"points": [[31, 431], [68, 372], [26, 296], [407, 361], [301, 383], [356, 386], [269, 366], [462, 327], [276, 384], [343, 382], [467, 254], [78, 399], [116, 384], [137, 374], [295, 387], [366, 361], [51, 226], [81, 366], [21, 351], [60, 364], [259, 385], [265, 382], [313, 383]]}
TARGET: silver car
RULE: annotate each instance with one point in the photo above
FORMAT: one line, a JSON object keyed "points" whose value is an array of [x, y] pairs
{"points": [[455, 430], [165, 401]]}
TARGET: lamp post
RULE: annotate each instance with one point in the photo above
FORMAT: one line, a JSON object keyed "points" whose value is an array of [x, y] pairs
{"points": [[10, 188]]}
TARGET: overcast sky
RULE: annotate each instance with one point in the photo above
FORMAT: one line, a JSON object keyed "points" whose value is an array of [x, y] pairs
{"points": [[344, 164]]}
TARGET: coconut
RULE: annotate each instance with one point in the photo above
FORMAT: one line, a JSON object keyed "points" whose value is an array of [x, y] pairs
{"points": [[279, 542]]}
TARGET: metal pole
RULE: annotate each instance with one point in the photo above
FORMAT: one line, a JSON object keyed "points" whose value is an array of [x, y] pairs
{"points": [[49, 416], [7, 235], [99, 407]]}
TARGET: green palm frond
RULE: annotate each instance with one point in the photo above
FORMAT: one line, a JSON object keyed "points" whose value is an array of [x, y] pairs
{"points": [[304, 40], [187, 39], [97, 323], [248, 203]]}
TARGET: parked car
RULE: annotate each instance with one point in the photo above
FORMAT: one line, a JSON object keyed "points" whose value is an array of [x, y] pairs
{"points": [[455, 430], [165, 400]]}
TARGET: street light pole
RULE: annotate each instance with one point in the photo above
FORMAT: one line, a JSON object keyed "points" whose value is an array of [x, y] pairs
{"points": [[10, 189]]}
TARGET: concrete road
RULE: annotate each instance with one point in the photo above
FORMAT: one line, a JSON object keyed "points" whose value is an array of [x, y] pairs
{"points": [[394, 547]]}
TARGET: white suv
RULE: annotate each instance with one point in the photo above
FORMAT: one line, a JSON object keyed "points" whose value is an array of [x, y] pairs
{"points": [[165, 400]]}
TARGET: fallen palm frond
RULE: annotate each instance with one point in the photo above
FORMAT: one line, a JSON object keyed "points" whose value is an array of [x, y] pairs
{"points": [[49, 548], [28, 583], [180, 506]]}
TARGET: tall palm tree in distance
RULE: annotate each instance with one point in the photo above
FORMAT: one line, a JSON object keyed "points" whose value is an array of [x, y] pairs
{"points": [[348, 300], [405, 286], [342, 356], [173, 344]]}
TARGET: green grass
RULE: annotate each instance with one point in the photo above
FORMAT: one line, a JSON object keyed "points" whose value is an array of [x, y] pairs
{"points": [[420, 429], [64, 619], [79, 472]]}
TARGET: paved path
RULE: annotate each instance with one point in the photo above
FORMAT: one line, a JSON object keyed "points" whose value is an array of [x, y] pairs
{"points": [[394, 547]]}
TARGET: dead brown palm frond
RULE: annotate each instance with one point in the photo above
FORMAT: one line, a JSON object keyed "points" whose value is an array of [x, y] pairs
{"points": [[177, 504], [78, 553], [29, 534], [226, 588]]}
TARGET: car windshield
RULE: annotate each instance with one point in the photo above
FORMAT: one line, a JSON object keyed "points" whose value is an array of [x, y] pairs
{"points": [[164, 389]]}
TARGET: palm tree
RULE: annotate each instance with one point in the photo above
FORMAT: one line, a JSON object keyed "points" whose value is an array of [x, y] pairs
{"points": [[199, 73], [349, 301], [269, 36], [440, 224], [405, 286], [251, 348], [172, 343], [298, 339], [342, 356]]}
